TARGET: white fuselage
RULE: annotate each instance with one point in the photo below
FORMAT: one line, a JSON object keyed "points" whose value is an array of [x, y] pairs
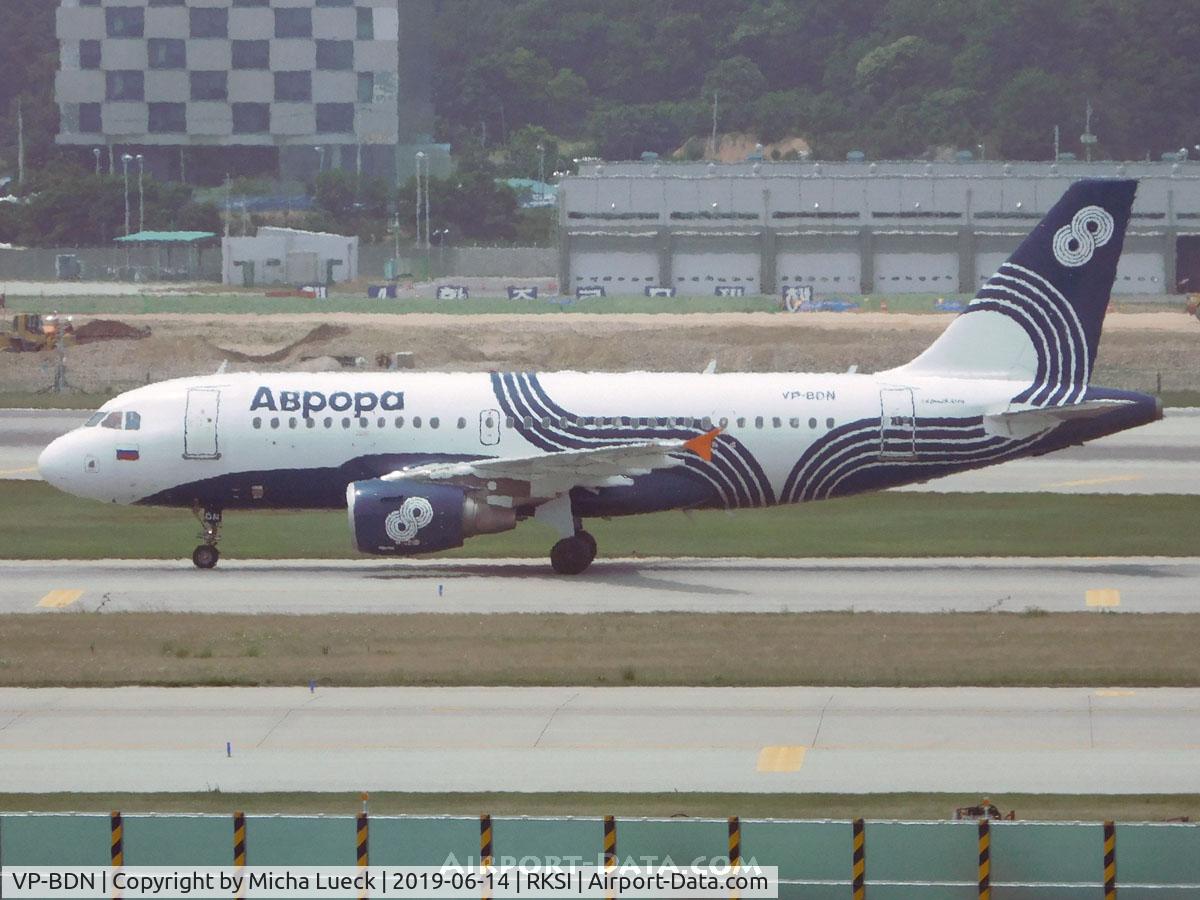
{"points": [[297, 440]]}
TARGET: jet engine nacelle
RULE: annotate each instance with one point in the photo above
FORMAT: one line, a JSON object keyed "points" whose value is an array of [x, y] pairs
{"points": [[406, 517]]}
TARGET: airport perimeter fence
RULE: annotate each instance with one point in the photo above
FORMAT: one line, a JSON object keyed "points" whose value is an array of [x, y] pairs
{"points": [[883, 860]]}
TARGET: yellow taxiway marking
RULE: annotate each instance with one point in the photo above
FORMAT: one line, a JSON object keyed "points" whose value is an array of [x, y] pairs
{"points": [[1084, 482], [28, 471], [59, 599], [1114, 692], [781, 759], [1103, 597]]}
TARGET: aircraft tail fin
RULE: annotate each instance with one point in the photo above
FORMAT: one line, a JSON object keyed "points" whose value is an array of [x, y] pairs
{"points": [[1039, 316]]}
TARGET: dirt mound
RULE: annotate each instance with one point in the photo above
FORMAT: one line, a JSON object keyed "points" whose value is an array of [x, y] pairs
{"points": [[322, 334], [109, 330]]}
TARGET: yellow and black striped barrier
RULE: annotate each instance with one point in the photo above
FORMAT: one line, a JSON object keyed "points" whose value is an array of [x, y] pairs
{"points": [[859, 870], [362, 841], [735, 845], [985, 859], [485, 847], [116, 844], [1110, 861], [239, 848], [610, 843]]}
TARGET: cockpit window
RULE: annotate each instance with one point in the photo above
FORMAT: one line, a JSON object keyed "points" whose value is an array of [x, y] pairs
{"points": [[133, 421], [112, 420], [94, 420]]}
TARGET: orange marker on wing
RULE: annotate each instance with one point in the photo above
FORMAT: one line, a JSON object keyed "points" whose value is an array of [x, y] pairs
{"points": [[702, 444]]}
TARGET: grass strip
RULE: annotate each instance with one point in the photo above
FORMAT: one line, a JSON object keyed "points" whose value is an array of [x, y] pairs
{"points": [[39, 522], [1041, 807], [1030, 649]]}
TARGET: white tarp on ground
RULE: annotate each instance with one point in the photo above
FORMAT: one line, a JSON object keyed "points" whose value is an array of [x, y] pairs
{"points": [[289, 256]]}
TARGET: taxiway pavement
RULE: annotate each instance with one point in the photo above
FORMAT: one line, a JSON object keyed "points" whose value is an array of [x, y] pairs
{"points": [[1146, 585], [966, 740], [1155, 459]]}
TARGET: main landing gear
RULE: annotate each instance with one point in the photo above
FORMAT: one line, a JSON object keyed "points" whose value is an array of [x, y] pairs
{"points": [[206, 555], [574, 554]]}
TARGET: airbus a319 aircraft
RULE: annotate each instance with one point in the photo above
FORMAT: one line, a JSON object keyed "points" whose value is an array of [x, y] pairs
{"points": [[424, 461]]}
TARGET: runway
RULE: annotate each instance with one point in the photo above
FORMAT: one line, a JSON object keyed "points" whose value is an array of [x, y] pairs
{"points": [[1146, 585], [1158, 458], [597, 739], [24, 433]]}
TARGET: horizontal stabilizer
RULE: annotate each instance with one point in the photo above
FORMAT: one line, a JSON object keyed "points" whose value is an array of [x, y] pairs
{"points": [[1022, 423]]}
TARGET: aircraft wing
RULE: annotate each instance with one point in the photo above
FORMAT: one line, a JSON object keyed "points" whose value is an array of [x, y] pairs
{"points": [[551, 474], [1021, 423]]}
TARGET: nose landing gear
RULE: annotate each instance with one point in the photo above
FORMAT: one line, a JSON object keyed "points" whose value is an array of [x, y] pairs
{"points": [[206, 555]]}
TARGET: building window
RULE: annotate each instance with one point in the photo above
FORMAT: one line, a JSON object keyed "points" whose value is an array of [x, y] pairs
{"points": [[238, 3], [335, 2], [209, 22], [252, 54], [166, 53], [168, 2], [293, 22], [168, 118], [125, 21], [209, 85], [335, 55], [335, 118], [89, 54], [366, 23], [89, 118], [366, 87], [125, 85], [293, 87], [252, 118]]}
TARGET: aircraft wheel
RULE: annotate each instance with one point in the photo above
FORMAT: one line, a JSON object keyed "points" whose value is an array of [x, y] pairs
{"points": [[572, 555], [587, 538], [205, 556]]}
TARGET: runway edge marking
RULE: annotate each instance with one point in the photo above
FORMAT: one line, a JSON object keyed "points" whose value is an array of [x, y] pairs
{"points": [[60, 599]]}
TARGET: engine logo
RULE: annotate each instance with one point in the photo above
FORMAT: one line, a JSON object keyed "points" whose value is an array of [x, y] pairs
{"points": [[403, 524]]}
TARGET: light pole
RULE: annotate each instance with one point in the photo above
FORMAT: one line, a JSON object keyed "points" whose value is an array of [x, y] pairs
{"points": [[320, 159], [126, 159], [141, 161], [443, 235], [96, 153], [420, 158], [541, 148]]}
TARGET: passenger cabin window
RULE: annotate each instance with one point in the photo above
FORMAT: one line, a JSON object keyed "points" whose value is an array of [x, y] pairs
{"points": [[741, 422]]}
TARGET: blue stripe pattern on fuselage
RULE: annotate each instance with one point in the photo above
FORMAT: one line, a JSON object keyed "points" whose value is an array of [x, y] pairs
{"points": [[849, 460], [734, 475]]}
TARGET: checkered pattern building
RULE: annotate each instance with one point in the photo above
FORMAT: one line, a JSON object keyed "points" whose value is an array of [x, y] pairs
{"points": [[273, 73]]}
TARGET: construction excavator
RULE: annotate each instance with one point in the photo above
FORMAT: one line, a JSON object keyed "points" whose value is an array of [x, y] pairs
{"points": [[33, 332]]}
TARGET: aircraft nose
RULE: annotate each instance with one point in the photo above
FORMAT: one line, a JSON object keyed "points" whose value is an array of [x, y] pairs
{"points": [[53, 464]]}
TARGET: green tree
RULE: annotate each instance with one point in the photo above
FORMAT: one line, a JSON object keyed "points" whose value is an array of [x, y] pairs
{"points": [[1026, 110]]}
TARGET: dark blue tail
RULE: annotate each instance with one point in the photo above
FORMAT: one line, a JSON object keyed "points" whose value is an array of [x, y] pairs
{"points": [[1055, 290]]}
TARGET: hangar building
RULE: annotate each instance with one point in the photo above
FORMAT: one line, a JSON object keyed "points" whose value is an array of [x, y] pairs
{"points": [[854, 227]]}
